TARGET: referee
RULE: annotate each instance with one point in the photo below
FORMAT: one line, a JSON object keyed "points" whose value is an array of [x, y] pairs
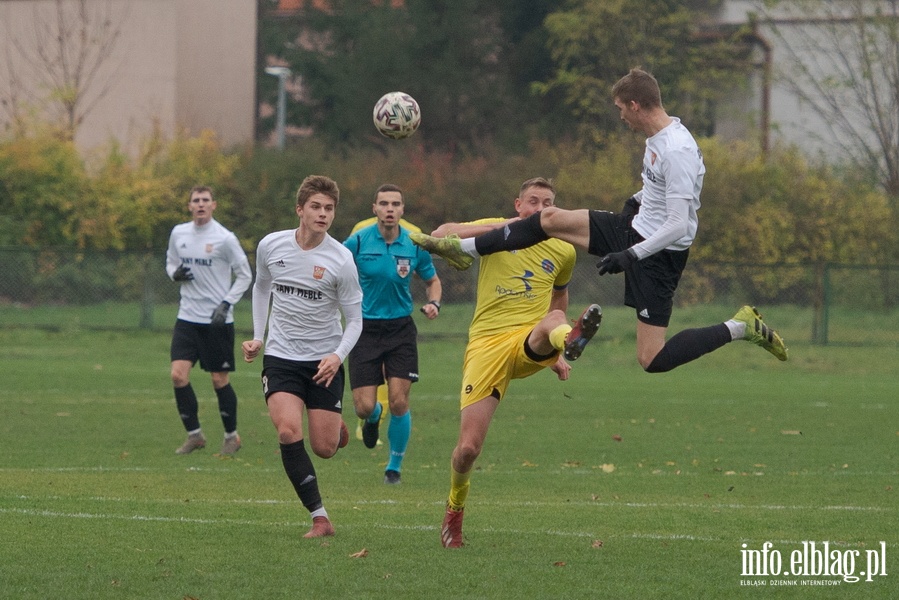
{"points": [[386, 259], [212, 268]]}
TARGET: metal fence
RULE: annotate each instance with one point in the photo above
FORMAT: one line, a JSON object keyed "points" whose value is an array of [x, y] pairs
{"points": [[837, 303]]}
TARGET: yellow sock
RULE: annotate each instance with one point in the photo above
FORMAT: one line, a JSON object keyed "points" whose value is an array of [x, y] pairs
{"points": [[459, 486], [557, 336]]}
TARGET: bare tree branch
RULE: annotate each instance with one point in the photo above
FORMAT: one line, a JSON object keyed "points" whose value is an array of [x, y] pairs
{"points": [[67, 54], [842, 61]]}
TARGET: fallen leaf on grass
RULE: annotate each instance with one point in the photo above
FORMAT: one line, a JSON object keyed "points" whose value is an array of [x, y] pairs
{"points": [[597, 543], [560, 563], [616, 437], [361, 554], [791, 432]]}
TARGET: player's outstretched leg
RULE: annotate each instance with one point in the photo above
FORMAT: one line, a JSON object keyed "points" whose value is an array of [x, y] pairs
{"points": [[759, 333], [448, 248], [583, 331], [451, 530]]}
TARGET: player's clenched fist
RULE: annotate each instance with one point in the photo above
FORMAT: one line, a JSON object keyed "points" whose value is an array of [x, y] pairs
{"points": [[251, 349]]}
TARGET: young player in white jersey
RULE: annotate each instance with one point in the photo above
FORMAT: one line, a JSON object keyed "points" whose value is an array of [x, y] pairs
{"points": [[307, 278], [214, 273], [649, 240]]}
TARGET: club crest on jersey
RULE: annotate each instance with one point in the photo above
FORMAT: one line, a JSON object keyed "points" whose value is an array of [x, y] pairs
{"points": [[209, 248], [403, 267], [318, 272]]}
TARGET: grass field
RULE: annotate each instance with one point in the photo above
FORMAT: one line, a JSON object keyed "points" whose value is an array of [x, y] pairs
{"points": [[614, 484]]}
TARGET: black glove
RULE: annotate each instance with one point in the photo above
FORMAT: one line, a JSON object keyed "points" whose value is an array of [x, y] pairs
{"points": [[220, 313], [616, 262], [183, 273], [631, 208]]}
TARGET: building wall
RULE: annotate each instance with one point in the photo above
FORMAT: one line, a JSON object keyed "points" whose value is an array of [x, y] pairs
{"points": [[176, 64], [790, 120]]}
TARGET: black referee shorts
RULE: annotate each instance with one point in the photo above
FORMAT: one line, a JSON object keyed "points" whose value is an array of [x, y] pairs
{"points": [[649, 284], [386, 348]]}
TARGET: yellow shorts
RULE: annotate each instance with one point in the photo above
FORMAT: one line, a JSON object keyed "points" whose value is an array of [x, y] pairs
{"points": [[492, 361]]}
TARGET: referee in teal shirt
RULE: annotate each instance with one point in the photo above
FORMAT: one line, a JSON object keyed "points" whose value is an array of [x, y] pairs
{"points": [[386, 259]]}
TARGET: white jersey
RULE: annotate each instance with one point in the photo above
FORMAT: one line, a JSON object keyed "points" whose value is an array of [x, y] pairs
{"points": [[307, 289], [213, 255], [672, 181]]}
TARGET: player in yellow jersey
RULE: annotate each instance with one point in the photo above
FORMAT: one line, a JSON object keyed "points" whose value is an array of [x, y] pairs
{"points": [[519, 327]]}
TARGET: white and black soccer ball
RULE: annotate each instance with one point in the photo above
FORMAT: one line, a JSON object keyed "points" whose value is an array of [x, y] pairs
{"points": [[396, 115]]}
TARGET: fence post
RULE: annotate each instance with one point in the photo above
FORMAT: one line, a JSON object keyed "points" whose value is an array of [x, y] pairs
{"points": [[146, 304], [821, 303]]}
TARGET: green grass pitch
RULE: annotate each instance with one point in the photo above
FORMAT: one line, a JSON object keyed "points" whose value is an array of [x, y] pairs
{"points": [[615, 484]]}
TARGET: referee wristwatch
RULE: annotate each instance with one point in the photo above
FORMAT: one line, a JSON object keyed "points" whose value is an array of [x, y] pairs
{"points": [[436, 304]]}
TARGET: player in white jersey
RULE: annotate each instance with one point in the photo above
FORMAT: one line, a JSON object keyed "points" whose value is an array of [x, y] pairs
{"points": [[649, 240], [214, 273], [307, 278]]}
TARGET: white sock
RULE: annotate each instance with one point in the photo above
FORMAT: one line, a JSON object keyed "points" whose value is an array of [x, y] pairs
{"points": [[232, 435], [320, 513], [737, 329], [194, 432], [467, 245]]}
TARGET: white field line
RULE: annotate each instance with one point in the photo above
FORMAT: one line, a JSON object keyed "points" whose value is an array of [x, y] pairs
{"points": [[259, 523], [526, 504]]}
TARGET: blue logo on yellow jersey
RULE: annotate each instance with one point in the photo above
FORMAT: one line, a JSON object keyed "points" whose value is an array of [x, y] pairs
{"points": [[524, 279], [547, 265]]}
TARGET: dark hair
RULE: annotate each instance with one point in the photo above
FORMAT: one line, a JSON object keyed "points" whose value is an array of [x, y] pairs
{"points": [[317, 184], [388, 187], [540, 182], [200, 188], [640, 87]]}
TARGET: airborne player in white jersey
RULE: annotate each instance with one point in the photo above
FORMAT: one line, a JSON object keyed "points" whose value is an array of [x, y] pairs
{"points": [[649, 241], [204, 257], [309, 278]]}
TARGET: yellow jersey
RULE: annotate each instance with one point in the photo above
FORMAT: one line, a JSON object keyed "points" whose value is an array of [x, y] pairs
{"points": [[372, 220], [515, 288]]}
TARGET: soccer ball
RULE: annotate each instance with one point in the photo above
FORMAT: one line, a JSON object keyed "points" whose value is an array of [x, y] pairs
{"points": [[396, 115]]}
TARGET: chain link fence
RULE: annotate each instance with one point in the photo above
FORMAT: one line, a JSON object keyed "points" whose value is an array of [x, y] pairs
{"points": [[832, 303]]}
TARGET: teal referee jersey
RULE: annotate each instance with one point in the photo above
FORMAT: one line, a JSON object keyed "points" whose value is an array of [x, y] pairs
{"points": [[385, 271]]}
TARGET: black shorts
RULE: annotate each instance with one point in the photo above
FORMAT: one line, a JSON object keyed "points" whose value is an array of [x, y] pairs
{"points": [[212, 345], [295, 377], [386, 348], [649, 284]]}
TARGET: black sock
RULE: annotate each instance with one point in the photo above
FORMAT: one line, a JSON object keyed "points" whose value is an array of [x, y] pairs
{"points": [[515, 236], [689, 345], [186, 401], [301, 473], [228, 407]]}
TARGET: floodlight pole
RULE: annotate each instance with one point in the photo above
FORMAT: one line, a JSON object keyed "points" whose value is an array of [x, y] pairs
{"points": [[281, 73]]}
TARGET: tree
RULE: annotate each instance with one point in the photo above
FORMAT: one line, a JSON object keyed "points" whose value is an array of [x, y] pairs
{"points": [[594, 42], [842, 61], [65, 52], [456, 57]]}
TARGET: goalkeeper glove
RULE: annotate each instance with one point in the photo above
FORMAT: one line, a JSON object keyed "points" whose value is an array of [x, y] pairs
{"points": [[616, 262], [220, 313], [183, 273]]}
